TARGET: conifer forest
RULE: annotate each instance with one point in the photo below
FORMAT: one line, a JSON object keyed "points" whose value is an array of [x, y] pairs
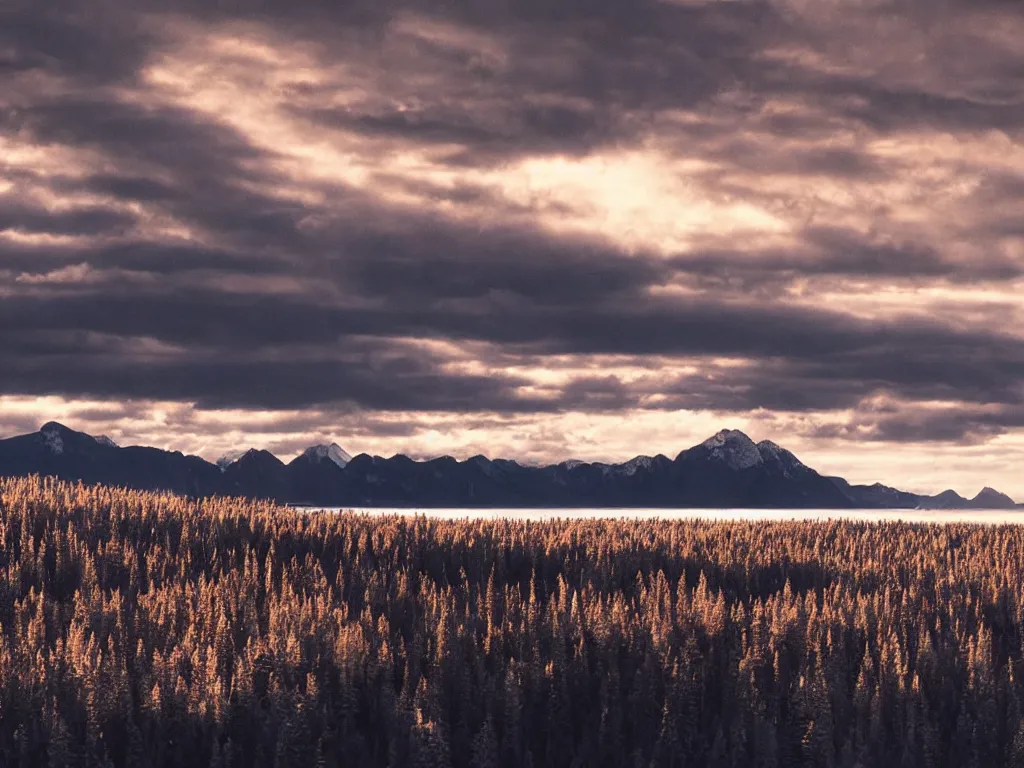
{"points": [[142, 629]]}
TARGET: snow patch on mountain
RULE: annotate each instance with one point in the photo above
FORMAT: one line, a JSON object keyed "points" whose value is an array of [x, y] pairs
{"points": [[104, 440], [52, 438], [228, 459], [733, 448], [632, 466], [774, 453], [332, 452]]}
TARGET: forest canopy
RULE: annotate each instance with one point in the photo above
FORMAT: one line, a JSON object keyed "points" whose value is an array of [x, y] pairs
{"points": [[141, 629]]}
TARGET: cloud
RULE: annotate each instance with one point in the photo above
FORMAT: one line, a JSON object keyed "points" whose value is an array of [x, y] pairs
{"points": [[945, 422], [393, 214]]}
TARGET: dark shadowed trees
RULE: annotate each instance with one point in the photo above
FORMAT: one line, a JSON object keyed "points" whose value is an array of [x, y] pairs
{"points": [[148, 630]]}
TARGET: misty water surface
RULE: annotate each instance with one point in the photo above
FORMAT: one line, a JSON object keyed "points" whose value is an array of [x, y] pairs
{"points": [[990, 517]]}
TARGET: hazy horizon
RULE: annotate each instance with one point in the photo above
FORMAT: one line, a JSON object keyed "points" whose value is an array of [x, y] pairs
{"points": [[981, 516]]}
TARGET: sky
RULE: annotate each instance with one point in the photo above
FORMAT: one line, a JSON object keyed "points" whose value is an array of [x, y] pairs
{"points": [[536, 229]]}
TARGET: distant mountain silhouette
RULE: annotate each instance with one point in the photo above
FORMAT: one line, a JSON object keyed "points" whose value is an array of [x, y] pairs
{"points": [[877, 496], [57, 450], [880, 496], [317, 475], [726, 470], [258, 474], [990, 498]]}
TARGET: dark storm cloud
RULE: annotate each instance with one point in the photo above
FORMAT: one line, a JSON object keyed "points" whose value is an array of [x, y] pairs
{"points": [[127, 188], [195, 169], [243, 352], [619, 57], [919, 425], [522, 130], [90, 220], [951, 370], [574, 77], [159, 259], [164, 140], [833, 162], [554, 323], [380, 376], [425, 263], [89, 43], [835, 254], [894, 108], [275, 385]]}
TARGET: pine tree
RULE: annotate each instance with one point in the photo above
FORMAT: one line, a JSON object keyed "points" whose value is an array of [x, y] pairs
{"points": [[484, 751]]}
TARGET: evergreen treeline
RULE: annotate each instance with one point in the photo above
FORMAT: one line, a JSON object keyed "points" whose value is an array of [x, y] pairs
{"points": [[148, 630]]}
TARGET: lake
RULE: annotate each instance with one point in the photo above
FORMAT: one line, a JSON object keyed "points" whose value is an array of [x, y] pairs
{"points": [[990, 517]]}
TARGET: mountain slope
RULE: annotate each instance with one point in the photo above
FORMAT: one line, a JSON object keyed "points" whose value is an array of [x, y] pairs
{"points": [[990, 498], [317, 476], [877, 496], [258, 474], [730, 470], [62, 452]]}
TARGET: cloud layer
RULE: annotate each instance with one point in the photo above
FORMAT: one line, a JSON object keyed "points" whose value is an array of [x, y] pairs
{"points": [[532, 228]]}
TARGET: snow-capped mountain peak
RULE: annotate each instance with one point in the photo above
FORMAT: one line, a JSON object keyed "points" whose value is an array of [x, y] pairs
{"points": [[254, 457], [331, 452], [228, 459], [734, 448], [59, 439]]}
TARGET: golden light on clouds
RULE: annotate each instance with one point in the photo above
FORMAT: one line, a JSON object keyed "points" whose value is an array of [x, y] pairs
{"points": [[639, 198]]}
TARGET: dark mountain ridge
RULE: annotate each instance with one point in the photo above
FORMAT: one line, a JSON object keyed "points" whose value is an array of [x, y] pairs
{"points": [[728, 470]]}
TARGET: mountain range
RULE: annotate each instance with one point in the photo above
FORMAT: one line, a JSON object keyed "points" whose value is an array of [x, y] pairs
{"points": [[728, 470]]}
